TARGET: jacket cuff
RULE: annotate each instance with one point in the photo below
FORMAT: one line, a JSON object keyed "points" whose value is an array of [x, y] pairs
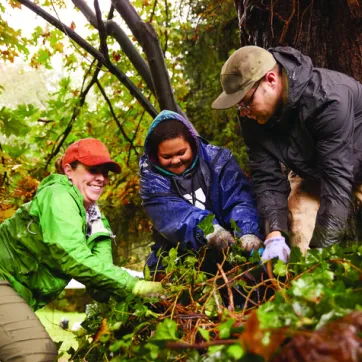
{"points": [[276, 222]]}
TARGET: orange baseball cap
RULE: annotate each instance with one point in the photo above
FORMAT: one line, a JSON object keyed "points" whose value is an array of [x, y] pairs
{"points": [[90, 152]]}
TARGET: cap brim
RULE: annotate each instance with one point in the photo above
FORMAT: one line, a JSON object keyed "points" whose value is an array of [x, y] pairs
{"points": [[114, 167], [97, 161], [225, 101]]}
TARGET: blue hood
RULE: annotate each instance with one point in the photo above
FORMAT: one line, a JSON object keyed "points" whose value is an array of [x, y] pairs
{"points": [[165, 116]]}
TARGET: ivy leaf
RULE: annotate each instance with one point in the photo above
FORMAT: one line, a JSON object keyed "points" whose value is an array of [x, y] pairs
{"points": [[295, 255], [225, 328], [280, 268], [204, 333], [166, 331], [234, 226], [206, 224], [235, 351]]}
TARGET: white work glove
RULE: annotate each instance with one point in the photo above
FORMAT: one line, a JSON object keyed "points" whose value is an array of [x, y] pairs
{"points": [[220, 238], [276, 247], [250, 242], [146, 289]]}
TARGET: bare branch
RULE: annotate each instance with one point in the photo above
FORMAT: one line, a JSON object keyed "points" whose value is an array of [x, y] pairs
{"points": [[135, 134], [115, 117], [147, 37], [227, 283], [114, 30], [167, 25], [153, 11], [95, 53], [75, 114], [42, 120], [102, 31]]}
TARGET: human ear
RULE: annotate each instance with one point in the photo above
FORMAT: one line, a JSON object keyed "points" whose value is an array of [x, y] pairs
{"points": [[68, 170], [271, 78]]}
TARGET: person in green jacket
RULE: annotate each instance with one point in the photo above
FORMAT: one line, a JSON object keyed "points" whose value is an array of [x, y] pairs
{"points": [[59, 235]]}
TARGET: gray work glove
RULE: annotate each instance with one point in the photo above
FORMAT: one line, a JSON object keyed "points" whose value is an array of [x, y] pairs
{"points": [[250, 242], [220, 238], [276, 247]]}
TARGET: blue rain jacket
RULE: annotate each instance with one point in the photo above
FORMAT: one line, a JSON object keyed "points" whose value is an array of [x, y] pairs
{"points": [[228, 191]]}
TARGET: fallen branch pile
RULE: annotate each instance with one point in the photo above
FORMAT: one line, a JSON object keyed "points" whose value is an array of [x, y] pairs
{"points": [[245, 312]]}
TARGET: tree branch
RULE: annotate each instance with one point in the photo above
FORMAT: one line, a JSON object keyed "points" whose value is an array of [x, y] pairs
{"points": [[135, 134], [95, 53], [76, 111], [115, 117], [147, 37], [227, 283], [114, 30], [102, 32]]}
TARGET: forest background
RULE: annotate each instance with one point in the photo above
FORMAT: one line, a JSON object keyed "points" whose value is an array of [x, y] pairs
{"points": [[53, 93], [104, 69]]}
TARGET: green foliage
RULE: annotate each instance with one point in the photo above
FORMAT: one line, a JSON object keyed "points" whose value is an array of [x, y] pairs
{"points": [[40, 133], [320, 287], [206, 224], [210, 37]]}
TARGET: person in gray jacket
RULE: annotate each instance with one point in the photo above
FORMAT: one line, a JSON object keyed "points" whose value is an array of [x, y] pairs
{"points": [[308, 120]]}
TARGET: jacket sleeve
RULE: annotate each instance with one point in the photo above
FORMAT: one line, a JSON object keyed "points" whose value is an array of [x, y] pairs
{"points": [[172, 216], [270, 185], [103, 250], [333, 130], [61, 225], [237, 199]]}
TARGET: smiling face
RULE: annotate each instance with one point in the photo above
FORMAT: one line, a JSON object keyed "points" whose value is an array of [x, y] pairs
{"points": [[89, 180], [175, 155]]}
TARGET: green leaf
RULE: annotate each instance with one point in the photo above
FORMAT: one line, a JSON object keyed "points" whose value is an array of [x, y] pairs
{"points": [[166, 331], [121, 312], [154, 350], [214, 349], [206, 224], [204, 333], [235, 351], [280, 268], [234, 226], [295, 255], [225, 328], [147, 273]]}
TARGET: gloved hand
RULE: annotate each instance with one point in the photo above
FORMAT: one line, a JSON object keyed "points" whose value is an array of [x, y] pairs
{"points": [[220, 238], [146, 289], [276, 247], [250, 242]]}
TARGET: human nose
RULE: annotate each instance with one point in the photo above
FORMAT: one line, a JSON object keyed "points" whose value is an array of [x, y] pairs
{"points": [[175, 160], [102, 177]]}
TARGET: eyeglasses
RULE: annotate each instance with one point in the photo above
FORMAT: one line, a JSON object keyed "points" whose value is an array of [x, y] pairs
{"points": [[244, 108]]}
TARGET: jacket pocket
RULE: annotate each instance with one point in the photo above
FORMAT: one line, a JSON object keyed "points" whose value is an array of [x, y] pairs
{"points": [[46, 284]]}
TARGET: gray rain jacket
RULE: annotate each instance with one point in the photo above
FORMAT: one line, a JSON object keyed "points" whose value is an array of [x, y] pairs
{"points": [[317, 134]]}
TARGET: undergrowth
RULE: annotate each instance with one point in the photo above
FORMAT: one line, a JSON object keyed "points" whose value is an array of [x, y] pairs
{"points": [[247, 311]]}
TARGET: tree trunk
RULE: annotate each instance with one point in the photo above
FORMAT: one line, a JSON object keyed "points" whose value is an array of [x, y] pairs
{"points": [[330, 32]]}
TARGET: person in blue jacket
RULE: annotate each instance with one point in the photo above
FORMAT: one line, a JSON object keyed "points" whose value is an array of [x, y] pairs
{"points": [[183, 180]]}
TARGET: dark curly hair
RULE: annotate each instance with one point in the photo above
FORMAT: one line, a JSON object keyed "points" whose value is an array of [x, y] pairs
{"points": [[168, 130]]}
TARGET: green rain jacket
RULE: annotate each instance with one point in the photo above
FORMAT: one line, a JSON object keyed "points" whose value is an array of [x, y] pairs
{"points": [[44, 245]]}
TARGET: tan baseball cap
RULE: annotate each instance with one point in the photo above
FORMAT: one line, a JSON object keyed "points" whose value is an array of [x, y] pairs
{"points": [[241, 71]]}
